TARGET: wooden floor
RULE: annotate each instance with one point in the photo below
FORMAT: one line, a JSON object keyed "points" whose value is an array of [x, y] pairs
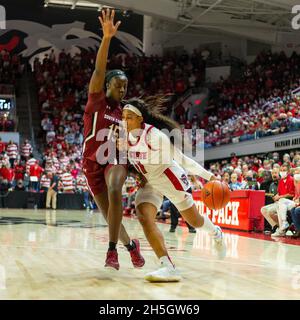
{"points": [[44, 255]]}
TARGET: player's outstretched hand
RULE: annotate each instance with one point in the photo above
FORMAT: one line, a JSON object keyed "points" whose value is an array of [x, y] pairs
{"points": [[107, 23]]}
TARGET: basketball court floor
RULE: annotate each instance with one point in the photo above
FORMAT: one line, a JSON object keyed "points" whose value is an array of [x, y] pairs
{"points": [[48, 255]]}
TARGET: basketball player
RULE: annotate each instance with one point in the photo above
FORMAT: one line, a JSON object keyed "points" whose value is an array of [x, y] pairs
{"points": [[103, 111], [163, 166]]}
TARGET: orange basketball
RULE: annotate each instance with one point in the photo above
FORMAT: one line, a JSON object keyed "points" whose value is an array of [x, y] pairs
{"points": [[215, 194]]}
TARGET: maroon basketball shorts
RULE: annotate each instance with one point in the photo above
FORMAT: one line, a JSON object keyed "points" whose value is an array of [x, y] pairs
{"points": [[95, 175]]}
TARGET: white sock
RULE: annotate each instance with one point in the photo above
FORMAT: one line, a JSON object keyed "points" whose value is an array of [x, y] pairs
{"points": [[166, 262], [208, 226], [282, 224]]}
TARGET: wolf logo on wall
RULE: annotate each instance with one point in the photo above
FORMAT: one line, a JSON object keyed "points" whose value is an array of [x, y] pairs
{"points": [[72, 37]]}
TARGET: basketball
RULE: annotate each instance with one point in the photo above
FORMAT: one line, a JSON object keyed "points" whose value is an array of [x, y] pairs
{"points": [[215, 194]]}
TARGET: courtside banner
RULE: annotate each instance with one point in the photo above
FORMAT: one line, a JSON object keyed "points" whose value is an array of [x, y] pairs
{"points": [[241, 213]]}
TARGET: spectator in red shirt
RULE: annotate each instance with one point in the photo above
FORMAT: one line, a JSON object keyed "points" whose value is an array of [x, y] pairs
{"points": [[35, 172], [276, 213], [2, 146], [19, 170], [7, 173], [74, 171]]}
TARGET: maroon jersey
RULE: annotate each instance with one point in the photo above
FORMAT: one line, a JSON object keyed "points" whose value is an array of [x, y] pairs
{"points": [[98, 114]]}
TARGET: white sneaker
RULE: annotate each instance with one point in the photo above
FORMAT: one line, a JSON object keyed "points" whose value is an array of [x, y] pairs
{"points": [[219, 243], [278, 233], [164, 274]]}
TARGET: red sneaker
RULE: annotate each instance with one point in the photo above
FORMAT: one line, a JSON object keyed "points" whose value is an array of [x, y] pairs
{"points": [[137, 259], [112, 260]]}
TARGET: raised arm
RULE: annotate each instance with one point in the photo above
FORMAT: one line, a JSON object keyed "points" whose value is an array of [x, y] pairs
{"points": [[109, 30]]}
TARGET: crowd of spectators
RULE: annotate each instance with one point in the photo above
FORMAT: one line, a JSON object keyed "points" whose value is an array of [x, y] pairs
{"points": [[20, 171], [256, 164], [238, 110], [278, 176], [10, 68], [62, 93], [171, 73], [258, 104], [62, 85], [241, 111]]}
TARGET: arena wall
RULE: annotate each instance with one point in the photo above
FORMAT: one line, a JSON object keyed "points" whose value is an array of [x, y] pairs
{"points": [[269, 144]]}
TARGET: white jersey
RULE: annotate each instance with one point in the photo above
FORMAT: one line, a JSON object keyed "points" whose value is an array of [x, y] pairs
{"points": [[152, 153]]}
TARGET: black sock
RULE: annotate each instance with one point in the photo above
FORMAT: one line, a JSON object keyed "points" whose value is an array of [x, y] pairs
{"points": [[130, 246], [112, 246]]}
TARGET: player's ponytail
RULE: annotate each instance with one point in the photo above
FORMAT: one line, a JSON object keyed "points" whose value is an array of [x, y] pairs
{"points": [[151, 108]]}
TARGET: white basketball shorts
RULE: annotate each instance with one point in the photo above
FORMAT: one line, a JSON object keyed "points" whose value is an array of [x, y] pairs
{"points": [[173, 184]]}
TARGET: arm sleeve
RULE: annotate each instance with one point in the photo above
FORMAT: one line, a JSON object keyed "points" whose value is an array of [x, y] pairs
{"points": [[159, 141], [96, 101]]}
